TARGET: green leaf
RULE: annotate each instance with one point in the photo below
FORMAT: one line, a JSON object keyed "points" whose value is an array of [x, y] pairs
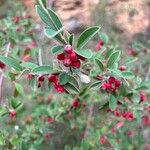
{"points": [[86, 36], [50, 33], [11, 62], [127, 74], [42, 70], [109, 53], [19, 88], [44, 16], [100, 65], [55, 19], [3, 111], [73, 81], [63, 78], [2, 139], [71, 88], [112, 102], [71, 39], [85, 53], [113, 59], [29, 65], [57, 49]]}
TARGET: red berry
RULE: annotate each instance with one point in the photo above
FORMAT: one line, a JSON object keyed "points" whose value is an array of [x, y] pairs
{"points": [[47, 136], [41, 78], [68, 49], [12, 114], [103, 140], [2, 65], [117, 83], [53, 78], [59, 88], [16, 19], [106, 86], [132, 52], [111, 80], [73, 56], [122, 68], [61, 56], [76, 103], [30, 76], [67, 62], [143, 96], [99, 45], [50, 120], [76, 64]]}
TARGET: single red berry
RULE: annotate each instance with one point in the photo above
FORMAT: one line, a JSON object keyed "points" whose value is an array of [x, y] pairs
{"points": [[53, 78], [76, 103], [122, 68], [132, 52], [99, 45], [2, 65], [47, 136], [73, 56], [12, 114], [50, 120], [111, 80], [103, 140], [59, 88], [61, 56], [106, 86], [117, 83], [143, 96], [76, 64], [41, 78], [67, 62], [68, 49], [16, 19], [30, 76]]}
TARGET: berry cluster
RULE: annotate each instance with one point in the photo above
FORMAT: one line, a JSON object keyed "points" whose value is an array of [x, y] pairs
{"points": [[127, 114], [69, 58], [111, 85], [55, 80]]}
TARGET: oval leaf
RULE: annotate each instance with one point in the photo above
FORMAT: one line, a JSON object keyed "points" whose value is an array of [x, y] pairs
{"points": [[29, 65], [57, 49], [85, 53], [112, 102], [113, 59], [100, 64], [11, 62], [42, 70], [86, 36]]}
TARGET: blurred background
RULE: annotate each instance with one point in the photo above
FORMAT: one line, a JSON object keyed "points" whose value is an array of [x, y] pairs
{"points": [[123, 20]]}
